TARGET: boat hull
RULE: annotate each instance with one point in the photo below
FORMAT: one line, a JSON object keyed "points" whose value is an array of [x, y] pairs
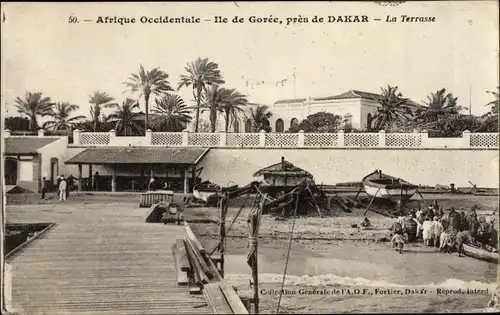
{"points": [[480, 254], [390, 193], [203, 195]]}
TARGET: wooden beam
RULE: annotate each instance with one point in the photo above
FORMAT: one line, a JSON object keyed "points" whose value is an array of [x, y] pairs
{"points": [[216, 299], [80, 177], [182, 278], [233, 299], [192, 237], [198, 271], [181, 251]]}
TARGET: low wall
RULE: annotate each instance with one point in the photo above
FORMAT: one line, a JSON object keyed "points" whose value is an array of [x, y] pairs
{"points": [[331, 166]]}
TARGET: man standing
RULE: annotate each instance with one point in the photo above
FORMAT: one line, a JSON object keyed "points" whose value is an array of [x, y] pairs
{"points": [[44, 187], [62, 189]]}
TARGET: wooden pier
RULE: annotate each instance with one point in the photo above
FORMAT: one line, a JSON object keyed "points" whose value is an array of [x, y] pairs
{"points": [[97, 259]]}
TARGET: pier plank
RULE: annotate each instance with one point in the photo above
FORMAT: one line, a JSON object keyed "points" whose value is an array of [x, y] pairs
{"points": [[98, 259]]}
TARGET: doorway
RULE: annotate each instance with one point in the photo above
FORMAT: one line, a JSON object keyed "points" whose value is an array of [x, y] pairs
{"points": [[10, 171], [54, 170]]}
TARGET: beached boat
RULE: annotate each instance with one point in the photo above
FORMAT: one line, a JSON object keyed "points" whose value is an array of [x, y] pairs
{"points": [[479, 253], [385, 186], [207, 190]]}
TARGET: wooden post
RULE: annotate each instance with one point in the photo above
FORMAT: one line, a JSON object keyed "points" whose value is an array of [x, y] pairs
{"points": [[371, 201], [186, 181], [255, 267], [113, 179], [222, 232], [91, 176], [80, 177]]}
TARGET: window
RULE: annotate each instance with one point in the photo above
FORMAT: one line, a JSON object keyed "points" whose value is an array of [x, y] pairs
{"points": [[294, 122], [280, 125], [236, 125], [248, 125], [369, 121]]}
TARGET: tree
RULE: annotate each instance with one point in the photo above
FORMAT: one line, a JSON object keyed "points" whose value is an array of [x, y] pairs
{"points": [[200, 74], [61, 117], [98, 99], [495, 103], [439, 105], [395, 108], [171, 114], [124, 118], [147, 83], [34, 105], [231, 103], [319, 123], [17, 123], [260, 116], [212, 100]]}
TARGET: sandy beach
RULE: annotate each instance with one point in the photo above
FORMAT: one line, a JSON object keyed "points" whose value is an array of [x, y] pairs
{"points": [[328, 257]]}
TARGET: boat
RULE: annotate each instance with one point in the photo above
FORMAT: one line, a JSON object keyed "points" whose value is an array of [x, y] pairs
{"points": [[207, 190], [480, 253], [385, 186]]}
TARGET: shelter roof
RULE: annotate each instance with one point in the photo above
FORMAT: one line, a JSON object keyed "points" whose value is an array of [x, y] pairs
{"points": [[27, 144], [139, 155], [283, 168]]}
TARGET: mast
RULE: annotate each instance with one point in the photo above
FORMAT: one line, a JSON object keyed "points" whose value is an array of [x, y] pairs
{"points": [[470, 99]]}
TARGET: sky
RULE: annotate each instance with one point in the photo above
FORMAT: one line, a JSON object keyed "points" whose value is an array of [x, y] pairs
{"points": [[42, 52]]}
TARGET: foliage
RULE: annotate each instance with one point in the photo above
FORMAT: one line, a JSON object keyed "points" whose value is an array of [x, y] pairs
{"points": [[212, 101], [201, 73], [147, 83], [171, 114], [61, 117], [124, 118], [98, 99], [17, 123], [495, 103], [260, 118], [320, 122], [34, 105], [230, 105], [204, 126], [439, 105], [395, 108]]}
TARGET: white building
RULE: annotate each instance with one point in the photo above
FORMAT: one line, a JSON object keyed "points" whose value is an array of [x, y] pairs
{"points": [[355, 107]]}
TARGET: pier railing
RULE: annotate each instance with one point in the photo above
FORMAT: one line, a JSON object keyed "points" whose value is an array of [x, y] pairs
{"points": [[418, 140]]}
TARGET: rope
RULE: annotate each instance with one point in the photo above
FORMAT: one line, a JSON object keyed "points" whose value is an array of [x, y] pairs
{"points": [[231, 225], [288, 254]]}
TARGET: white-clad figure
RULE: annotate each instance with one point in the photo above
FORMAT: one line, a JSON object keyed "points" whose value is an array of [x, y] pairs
{"points": [[62, 189]]}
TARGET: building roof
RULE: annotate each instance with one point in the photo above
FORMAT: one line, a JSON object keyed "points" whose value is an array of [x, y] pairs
{"points": [[283, 168], [296, 100], [27, 145], [346, 95], [139, 155]]}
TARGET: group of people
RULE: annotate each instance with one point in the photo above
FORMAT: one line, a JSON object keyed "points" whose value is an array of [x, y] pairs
{"points": [[447, 232], [64, 185]]}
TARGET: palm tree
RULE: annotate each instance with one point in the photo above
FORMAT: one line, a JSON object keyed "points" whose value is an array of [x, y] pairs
{"points": [[34, 105], [124, 117], [212, 100], [171, 114], [440, 105], [395, 109], [231, 102], [495, 103], [61, 117], [98, 99], [200, 74], [147, 83], [260, 118]]}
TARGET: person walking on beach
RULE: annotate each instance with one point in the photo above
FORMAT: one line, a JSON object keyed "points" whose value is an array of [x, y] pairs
{"points": [[62, 189]]}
